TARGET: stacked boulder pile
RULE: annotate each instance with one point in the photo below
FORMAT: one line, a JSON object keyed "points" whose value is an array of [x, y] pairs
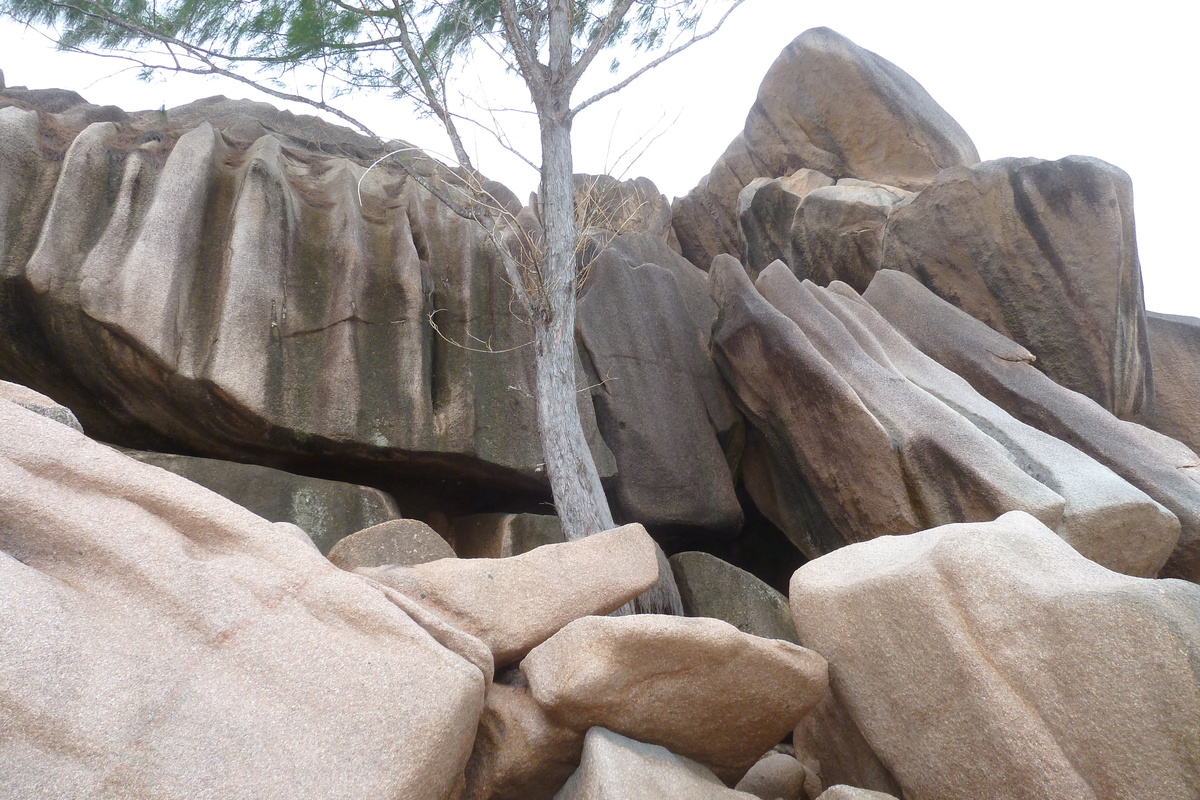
{"points": [[924, 465]]}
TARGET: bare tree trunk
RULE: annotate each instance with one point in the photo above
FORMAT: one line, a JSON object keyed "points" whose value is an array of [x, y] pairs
{"points": [[574, 480], [578, 495]]}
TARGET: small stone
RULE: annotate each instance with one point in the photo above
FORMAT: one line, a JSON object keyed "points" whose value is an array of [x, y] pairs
{"points": [[399, 541]]}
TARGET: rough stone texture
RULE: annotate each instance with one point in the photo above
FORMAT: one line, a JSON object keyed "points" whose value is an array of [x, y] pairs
{"points": [[952, 471], [710, 587], [699, 687], [327, 511], [399, 541], [1043, 252], [766, 213], [161, 641], [514, 604], [777, 776], [212, 283], [38, 403], [856, 434], [833, 750], [843, 792], [806, 420], [1002, 371], [838, 232], [1042, 667], [829, 105], [617, 768], [1175, 353], [1104, 517], [519, 753], [654, 381], [635, 206], [504, 535]]}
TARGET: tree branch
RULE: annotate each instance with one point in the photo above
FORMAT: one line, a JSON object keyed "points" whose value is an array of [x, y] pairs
{"points": [[607, 29], [656, 62]]}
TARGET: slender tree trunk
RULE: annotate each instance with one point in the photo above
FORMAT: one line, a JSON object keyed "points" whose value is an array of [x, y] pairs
{"points": [[578, 495], [574, 480]]}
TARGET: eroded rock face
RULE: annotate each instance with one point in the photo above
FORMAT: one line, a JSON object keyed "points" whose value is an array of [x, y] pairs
{"points": [[766, 213], [200, 650], [655, 384], [231, 287], [39, 404], [829, 105], [1175, 350], [856, 434], [1104, 517], [1042, 665], [328, 511], [1044, 253], [698, 687], [777, 776], [1002, 370], [710, 587], [504, 535], [618, 768], [838, 232]]}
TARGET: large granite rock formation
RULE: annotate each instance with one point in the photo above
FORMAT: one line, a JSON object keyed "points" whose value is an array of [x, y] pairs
{"points": [[1003, 371], [178, 285], [228, 280], [885, 441], [992, 661], [829, 105], [328, 511], [1044, 252], [159, 640]]}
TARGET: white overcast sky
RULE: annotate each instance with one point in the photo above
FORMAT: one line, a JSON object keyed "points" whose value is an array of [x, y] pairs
{"points": [[1044, 78]]}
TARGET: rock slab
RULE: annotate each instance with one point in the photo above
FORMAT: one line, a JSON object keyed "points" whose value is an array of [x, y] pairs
{"points": [[157, 640], [990, 660]]}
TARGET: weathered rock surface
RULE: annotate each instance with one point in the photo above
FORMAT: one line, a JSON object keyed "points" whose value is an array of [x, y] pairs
{"points": [[838, 232], [655, 386], [603, 203], [1042, 666], [1104, 517], [833, 751], [198, 650], [710, 587], [829, 105], [777, 776], [618, 768], [514, 604], [805, 420], [1044, 252], [221, 285], [929, 440], [698, 687], [843, 792], [327, 511], [766, 212], [1002, 370], [504, 535], [834, 395], [403, 542], [38, 403], [1175, 353], [519, 753]]}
